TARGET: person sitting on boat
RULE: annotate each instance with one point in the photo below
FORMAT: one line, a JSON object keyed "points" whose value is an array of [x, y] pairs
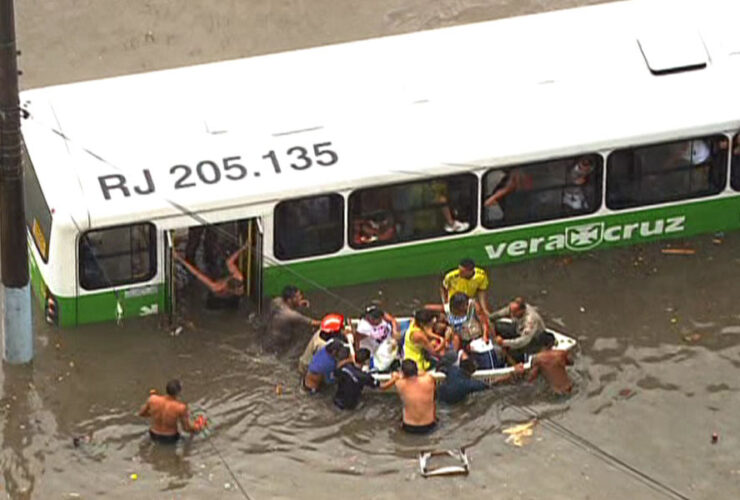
{"points": [[552, 364], [470, 280], [374, 327], [322, 366], [226, 290], [522, 335], [421, 345], [463, 317], [332, 326]]}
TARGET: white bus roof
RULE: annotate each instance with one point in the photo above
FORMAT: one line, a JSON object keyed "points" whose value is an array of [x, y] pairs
{"points": [[394, 108]]}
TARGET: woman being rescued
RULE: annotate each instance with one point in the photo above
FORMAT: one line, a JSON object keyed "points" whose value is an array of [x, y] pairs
{"points": [[421, 344]]}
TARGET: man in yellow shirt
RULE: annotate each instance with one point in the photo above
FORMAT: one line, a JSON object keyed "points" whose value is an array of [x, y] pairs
{"points": [[467, 279]]}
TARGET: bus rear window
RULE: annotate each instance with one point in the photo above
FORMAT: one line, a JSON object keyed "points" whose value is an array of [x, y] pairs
{"points": [[38, 215], [413, 211], [307, 227], [666, 172], [118, 256], [542, 191], [735, 179]]}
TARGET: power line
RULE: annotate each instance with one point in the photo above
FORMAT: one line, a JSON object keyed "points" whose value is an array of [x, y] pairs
{"points": [[599, 452]]}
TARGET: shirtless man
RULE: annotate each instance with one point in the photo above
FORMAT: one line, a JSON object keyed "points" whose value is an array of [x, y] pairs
{"points": [[417, 394], [165, 412], [552, 364]]}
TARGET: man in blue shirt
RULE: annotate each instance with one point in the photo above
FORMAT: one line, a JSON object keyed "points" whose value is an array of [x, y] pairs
{"points": [[457, 383], [322, 366]]}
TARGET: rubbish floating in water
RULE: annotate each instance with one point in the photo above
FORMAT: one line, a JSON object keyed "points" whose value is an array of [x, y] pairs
{"points": [[625, 393], [134, 476], [582, 309], [279, 389], [717, 241], [678, 251], [177, 331], [459, 455], [674, 320], [518, 433], [692, 338], [715, 438]]}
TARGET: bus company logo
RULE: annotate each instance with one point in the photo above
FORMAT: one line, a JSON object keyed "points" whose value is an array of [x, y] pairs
{"points": [[586, 236]]}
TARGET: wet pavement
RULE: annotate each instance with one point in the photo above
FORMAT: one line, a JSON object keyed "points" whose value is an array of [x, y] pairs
{"points": [[656, 373]]}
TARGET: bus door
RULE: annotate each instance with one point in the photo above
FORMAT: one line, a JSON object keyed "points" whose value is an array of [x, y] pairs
{"points": [[251, 263], [170, 278]]}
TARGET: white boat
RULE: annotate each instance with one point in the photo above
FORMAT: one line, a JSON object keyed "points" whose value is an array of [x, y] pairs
{"points": [[562, 343]]}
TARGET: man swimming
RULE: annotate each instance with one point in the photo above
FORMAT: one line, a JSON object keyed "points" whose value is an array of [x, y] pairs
{"points": [[552, 364], [165, 412]]}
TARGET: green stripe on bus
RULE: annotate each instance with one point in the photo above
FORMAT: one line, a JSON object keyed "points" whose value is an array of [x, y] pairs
{"points": [[511, 245]]}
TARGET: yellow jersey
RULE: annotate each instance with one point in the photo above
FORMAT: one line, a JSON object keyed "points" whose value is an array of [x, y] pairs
{"points": [[413, 351], [455, 283]]}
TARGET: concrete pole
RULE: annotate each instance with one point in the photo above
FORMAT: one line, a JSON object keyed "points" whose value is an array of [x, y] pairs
{"points": [[16, 291]]}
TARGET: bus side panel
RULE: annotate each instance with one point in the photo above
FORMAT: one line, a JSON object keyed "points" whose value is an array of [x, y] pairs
{"points": [[121, 304], [506, 246]]}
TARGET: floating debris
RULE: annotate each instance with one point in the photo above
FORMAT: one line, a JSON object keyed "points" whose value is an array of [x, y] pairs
{"points": [[518, 433], [279, 389], [134, 476], [678, 251], [692, 338], [458, 455], [715, 438]]}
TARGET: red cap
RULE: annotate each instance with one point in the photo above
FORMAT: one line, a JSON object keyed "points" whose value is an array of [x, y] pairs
{"points": [[332, 322]]}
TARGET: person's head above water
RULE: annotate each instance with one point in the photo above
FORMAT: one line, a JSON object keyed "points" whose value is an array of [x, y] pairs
{"points": [[409, 368], [332, 323], [459, 304], [425, 318], [293, 296], [517, 307], [342, 352], [467, 268], [174, 387], [374, 314], [468, 365], [362, 356], [548, 340]]}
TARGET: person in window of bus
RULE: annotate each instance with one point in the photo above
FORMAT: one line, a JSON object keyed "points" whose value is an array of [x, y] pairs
{"points": [[224, 292], [439, 191], [575, 195], [523, 335], [377, 227], [285, 322], [515, 180], [468, 279]]}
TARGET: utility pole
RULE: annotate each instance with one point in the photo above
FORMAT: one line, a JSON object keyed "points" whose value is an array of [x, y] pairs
{"points": [[16, 291]]}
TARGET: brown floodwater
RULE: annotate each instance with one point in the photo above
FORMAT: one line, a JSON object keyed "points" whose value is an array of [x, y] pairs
{"points": [[656, 372]]}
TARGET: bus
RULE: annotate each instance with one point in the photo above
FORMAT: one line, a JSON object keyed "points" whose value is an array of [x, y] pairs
{"points": [[505, 140]]}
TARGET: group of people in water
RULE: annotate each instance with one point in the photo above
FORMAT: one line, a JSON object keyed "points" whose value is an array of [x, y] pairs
{"points": [[456, 337]]}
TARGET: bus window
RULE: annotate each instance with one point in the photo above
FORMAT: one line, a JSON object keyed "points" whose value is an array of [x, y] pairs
{"points": [[666, 172], [541, 191], [735, 179], [38, 215], [412, 211], [309, 226], [118, 256]]}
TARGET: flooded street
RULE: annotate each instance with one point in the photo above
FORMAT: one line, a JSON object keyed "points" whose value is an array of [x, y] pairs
{"points": [[656, 373]]}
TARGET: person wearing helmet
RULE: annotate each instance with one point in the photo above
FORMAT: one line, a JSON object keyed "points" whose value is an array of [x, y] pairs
{"points": [[332, 327]]}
